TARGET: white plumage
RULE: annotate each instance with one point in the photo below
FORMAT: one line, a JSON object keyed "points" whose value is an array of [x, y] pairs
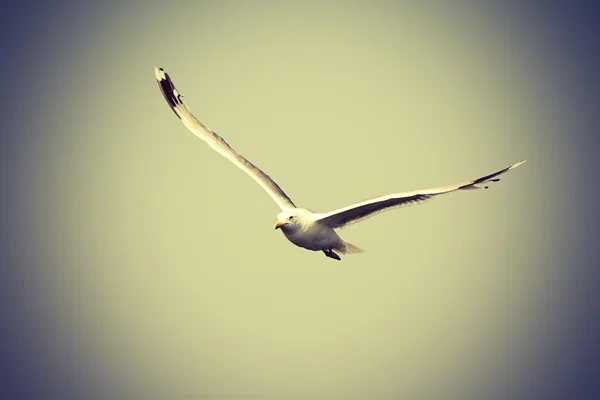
{"points": [[312, 231]]}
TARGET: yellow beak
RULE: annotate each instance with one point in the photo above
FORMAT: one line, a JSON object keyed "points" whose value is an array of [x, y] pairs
{"points": [[279, 224]]}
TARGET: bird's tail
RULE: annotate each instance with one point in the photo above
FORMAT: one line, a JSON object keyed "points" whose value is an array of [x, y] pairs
{"points": [[349, 248]]}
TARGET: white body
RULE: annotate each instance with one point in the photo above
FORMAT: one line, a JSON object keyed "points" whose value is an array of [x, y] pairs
{"points": [[311, 234], [314, 237]]}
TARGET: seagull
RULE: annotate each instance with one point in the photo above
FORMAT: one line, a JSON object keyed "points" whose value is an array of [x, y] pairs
{"points": [[304, 228]]}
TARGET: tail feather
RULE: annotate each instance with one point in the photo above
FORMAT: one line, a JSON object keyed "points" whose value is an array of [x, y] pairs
{"points": [[349, 248]]}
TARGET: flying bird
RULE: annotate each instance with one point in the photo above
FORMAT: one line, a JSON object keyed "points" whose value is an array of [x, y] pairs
{"points": [[304, 228]]}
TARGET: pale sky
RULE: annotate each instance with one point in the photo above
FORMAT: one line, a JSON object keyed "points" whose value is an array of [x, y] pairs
{"points": [[156, 261]]}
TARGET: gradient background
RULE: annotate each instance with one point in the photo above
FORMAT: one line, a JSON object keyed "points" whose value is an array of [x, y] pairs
{"points": [[137, 263]]}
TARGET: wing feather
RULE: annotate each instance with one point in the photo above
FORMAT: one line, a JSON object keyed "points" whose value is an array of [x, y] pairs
{"points": [[183, 112], [356, 212]]}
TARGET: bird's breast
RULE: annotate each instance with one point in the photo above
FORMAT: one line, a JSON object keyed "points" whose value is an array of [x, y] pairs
{"points": [[313, 237]]}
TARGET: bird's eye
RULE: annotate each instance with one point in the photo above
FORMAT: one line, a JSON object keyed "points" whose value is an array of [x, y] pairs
{"points": [[291, 217]]}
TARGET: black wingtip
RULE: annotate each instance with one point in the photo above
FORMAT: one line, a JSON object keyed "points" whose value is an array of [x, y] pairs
{"points": [[167, 88]]}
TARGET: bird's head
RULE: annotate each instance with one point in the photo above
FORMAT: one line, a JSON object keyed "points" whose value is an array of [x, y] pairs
{"points": [[290, 220]]}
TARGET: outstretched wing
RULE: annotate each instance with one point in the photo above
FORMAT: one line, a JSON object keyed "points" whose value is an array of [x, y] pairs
{"points": [[175, 100], [359, 211]]}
